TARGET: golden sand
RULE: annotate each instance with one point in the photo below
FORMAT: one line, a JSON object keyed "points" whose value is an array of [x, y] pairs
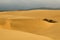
{"points": [[19, 35], [32, 22]]}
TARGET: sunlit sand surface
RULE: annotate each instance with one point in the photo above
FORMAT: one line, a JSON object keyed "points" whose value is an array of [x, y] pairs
{"points": [[19, 35], [32, 22]]}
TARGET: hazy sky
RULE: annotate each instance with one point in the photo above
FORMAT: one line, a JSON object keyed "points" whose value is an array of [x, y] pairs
{"points": [[26, 4]]}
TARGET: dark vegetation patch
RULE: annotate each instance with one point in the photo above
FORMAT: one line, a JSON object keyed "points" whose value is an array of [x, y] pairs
{"points": [[50, 20]]}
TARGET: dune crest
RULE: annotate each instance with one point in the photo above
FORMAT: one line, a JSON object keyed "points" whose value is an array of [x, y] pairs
{"points": [[19, 35]]}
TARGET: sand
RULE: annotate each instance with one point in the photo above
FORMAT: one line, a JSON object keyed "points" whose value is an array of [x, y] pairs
{"points": [[32, 22], [19, 35]]}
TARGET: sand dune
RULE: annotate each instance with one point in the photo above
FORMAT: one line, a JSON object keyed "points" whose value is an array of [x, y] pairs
{"points": [[19, 35], [5, 24], [32, 22]]}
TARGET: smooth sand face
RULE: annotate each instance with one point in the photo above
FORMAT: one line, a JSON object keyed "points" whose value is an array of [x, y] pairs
{"points": [[19, 35], [32, 22], [5, 24]]}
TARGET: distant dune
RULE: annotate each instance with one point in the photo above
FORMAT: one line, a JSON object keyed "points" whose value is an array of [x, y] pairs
{"points": [[32, 21]]}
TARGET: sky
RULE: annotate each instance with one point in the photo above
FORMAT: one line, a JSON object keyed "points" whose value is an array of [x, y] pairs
{"points": [[27, 4]]}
